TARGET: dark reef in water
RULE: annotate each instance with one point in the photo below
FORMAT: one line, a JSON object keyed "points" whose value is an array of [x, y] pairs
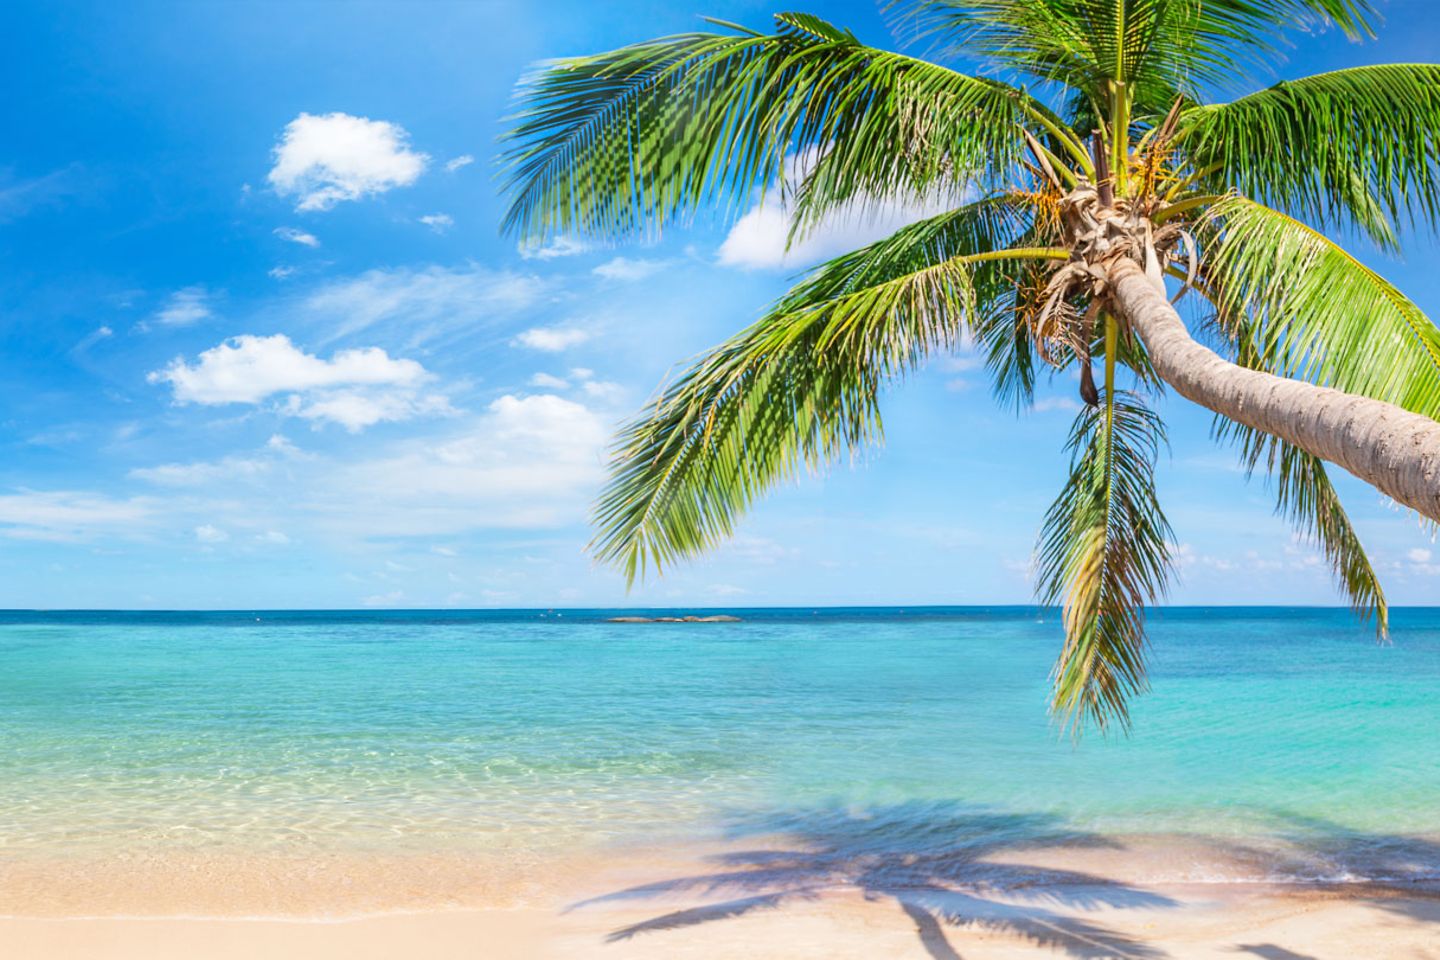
{"points": [[720, 618]]}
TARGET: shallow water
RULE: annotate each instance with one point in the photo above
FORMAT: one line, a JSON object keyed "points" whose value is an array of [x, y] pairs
{"points": [[1288, 739]]}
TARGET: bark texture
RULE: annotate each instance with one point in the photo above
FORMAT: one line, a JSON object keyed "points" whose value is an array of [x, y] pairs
{"points": [[1392, 449]]}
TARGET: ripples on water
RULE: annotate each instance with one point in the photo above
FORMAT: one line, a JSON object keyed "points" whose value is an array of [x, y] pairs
{"points": [[1287, 744]]}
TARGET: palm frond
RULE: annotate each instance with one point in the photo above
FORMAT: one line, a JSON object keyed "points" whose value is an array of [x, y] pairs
{"points": [[1158, 48], [797, 389], [1316, 313], [1103, 553], [1307, 498], [629, 140], [1363, 143]]}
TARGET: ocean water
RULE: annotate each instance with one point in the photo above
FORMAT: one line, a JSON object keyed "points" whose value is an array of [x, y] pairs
{"points": [[1287, 733]]}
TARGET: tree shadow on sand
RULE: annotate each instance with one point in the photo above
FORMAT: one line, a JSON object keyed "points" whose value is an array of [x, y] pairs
{"points": [[935, 862]]}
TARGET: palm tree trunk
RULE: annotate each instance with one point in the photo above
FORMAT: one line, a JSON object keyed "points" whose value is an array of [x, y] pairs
{"points": [[1389, 448]]}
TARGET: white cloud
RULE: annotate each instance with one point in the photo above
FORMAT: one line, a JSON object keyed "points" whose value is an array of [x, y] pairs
{"points": [[627, 270], [281, 273], [92, 338], [248, 368], [250, 467], [203, 473], [421, 304], [439, 222], [604, 390], [357, 409], [295, 235], [464, 160], [1418, 555], [185, 307], [526, 461], [551, 339], [549, 382], [354, 388], [393, 598], [557, 247], [757, 241], [272, 536], [335, 157], [1047, 404], [208, 533], [70, 515]]}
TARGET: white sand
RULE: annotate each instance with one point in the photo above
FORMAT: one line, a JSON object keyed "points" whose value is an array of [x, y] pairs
{"points": [[757, 902]]}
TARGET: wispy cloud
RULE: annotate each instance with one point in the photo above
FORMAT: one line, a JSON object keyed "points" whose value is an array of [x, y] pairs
{"points": [[185, 308], [557, 247], [19, 197], [296, 235], [438, 222], [551, 339], [419, 305], [464, 160], [627, 270], [71, 515]]}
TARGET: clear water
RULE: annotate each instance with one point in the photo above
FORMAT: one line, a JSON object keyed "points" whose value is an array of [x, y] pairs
{"points": [[517, 731]]}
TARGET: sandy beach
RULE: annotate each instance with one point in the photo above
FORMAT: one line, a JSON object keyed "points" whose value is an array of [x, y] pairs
{"points": [[762, 902], [1210, 922]]}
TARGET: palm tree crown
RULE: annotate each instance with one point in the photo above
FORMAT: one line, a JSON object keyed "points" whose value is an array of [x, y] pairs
{"points": [[1089, 142]]}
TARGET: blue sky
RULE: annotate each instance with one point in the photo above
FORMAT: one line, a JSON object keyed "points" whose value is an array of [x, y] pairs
{"points": [[264, 345]]}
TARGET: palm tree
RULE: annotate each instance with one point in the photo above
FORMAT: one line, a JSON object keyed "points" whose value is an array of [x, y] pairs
{"points": [[1070, 201]]}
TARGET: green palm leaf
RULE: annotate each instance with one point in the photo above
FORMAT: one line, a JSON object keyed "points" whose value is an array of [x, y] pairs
{"points": [[628, 140], [1363, 141], [1312, 311], [1160, 48], [798, 388], [1103, 553]]}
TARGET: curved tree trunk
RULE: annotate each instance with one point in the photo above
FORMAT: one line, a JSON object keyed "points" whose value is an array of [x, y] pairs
{"points": [[1394, 450]]}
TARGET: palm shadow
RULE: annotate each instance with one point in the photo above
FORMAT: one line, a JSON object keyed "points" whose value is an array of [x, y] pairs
{"points": [[934, 862]]}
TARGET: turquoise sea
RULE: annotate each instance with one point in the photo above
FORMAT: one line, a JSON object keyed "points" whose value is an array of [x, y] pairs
{"points": [[515, 732]]}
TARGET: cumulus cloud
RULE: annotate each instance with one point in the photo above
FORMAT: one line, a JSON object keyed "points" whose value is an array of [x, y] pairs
{"points": [[549, 382], [185, 307], [295, 235], [324, 160], [757, 241], [248, 368], [627, 270], [354, 388], [439, 222]]}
